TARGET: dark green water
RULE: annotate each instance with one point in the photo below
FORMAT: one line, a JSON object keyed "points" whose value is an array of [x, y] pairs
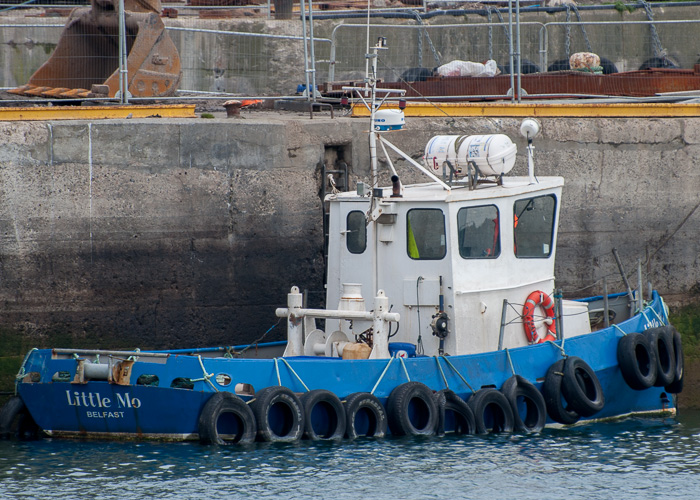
{"points": [[633, 458]]}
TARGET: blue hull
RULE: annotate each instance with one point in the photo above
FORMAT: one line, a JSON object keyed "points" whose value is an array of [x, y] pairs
{"points": [[99, 408]]}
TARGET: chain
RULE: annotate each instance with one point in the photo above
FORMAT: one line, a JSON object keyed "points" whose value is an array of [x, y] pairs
{"points": [[655, 40], [567, 39], [488, 12], [425, 33], [569, 7]]}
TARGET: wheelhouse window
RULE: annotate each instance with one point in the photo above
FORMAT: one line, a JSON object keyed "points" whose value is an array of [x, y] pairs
{"points": [[356, 235], [533, 223], [479, 232], [425, 234]]}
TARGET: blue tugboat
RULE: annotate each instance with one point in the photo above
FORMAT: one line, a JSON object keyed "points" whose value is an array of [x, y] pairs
{"points": [[447, 320]]}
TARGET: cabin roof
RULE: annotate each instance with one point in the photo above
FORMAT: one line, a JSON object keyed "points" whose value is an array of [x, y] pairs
{"points": [[432, 191]]}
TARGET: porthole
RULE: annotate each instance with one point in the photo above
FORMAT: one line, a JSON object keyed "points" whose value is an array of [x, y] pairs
{"points": [[62, 376], [244, 390], [146, 379], [182, 383]]}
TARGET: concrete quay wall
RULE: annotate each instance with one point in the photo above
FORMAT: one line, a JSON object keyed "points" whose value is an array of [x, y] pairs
{"points": [[161, 233]]}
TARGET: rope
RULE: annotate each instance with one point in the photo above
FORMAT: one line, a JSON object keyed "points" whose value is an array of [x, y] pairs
{"points": [[620, 329], [397, 75], [295, 373], [510, 361], [665, 309], [382, 375], [577, 291], [444, 379], [561, 348], [673, 233], [17, 6], [645, 316], [135, 358], [460, 375], [255, 342], [403, 364], [206, 377], [277, 369], [658, 317], [563, 339]]}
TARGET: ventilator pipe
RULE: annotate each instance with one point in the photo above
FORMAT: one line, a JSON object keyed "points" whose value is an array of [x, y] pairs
{"points": [[395, 187]]}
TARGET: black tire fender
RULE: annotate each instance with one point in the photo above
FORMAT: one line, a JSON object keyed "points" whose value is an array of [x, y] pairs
{"points": [[279, 415], [364, 416], [676, 386], [461, 414], [661, 340], [527, 403], [411, 410], [492, 412], [637, 360], [440, 402], [551, 390], [16, 422], [238, 424], [581, 387], [324, 416]]}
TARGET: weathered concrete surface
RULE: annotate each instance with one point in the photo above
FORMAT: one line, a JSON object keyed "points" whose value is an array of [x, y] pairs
{"points": [[155, 233]]}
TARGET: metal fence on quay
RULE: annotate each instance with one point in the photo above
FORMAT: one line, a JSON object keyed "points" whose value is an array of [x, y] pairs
{"points": [[545, 47], [261, 58], [239, 51]]}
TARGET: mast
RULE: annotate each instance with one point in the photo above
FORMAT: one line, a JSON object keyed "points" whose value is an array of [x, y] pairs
{"points": [[372, 82]]}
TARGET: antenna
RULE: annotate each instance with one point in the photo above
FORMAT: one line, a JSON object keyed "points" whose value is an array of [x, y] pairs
{"points": [[369, 4], [373, 104]]}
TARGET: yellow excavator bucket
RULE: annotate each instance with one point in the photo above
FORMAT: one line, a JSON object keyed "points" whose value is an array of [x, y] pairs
{"points": [[87, 54]]}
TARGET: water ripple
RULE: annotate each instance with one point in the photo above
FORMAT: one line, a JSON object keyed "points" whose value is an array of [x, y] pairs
{"points": [[632, 458]]}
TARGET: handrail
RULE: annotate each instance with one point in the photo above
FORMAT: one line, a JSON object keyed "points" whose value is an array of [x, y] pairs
{"points": [[141, 354]]}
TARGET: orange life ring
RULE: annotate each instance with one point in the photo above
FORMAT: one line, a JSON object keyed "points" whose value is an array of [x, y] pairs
{"points": [[543, 300]]}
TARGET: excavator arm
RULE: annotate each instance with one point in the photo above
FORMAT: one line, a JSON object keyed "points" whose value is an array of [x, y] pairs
{"points": [[87, 54]]}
